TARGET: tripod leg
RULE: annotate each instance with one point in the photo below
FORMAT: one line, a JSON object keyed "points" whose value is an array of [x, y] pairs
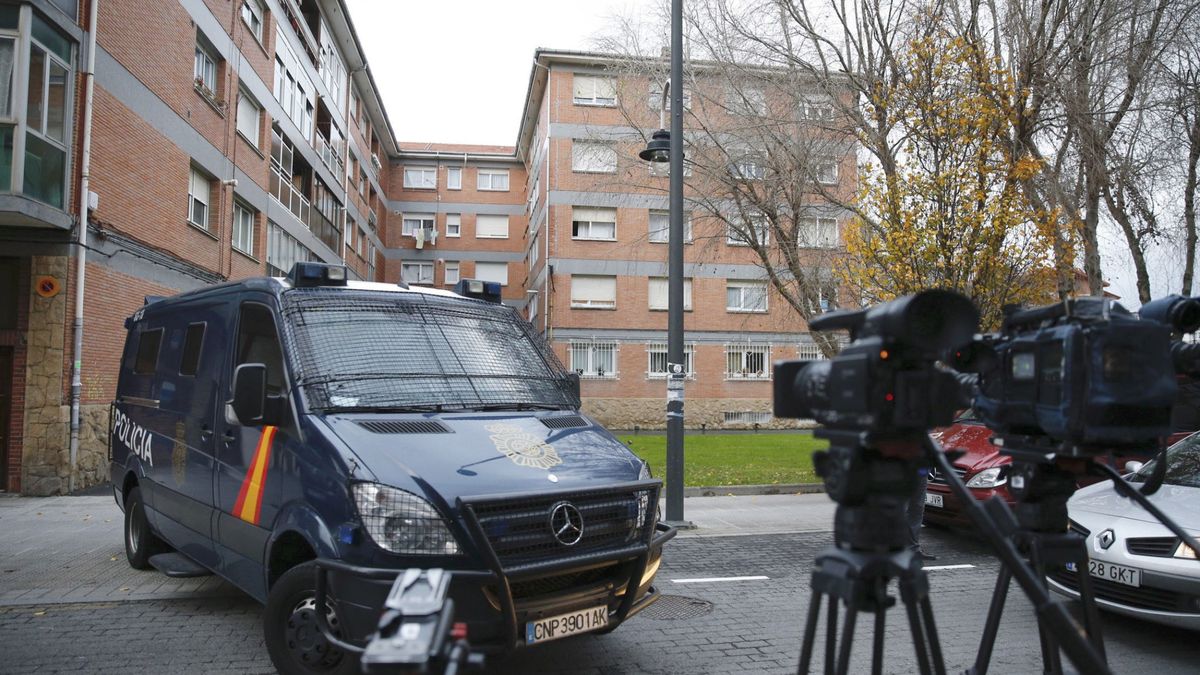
{"points": [[1051, 659], [918, 634], [877, 646], [847, 639], [999, 596], [935, 647], [831, 617], [810, 632], [1087, 596]]}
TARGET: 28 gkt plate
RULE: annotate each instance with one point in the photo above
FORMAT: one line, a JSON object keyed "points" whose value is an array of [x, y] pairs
{"points": [[1118, 573], [563, 625]]}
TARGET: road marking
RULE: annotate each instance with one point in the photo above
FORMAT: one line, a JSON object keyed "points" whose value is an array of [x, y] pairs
{"points": [[707, 580], [949, 567]]}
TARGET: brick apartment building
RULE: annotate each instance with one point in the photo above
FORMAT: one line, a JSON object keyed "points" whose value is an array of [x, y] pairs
{"points": [[246, 135]]}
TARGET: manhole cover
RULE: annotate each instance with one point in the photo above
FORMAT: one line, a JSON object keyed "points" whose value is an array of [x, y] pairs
{"points": [[675, 608]]}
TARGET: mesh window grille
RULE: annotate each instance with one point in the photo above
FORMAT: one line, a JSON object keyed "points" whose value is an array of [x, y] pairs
{"points": [[367, 350]]}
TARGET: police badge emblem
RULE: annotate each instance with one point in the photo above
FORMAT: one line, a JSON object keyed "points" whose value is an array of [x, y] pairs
{"points": [[523, 448]]}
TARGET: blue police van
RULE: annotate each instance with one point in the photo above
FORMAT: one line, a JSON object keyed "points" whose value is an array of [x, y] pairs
{"points": [[308, 437]]}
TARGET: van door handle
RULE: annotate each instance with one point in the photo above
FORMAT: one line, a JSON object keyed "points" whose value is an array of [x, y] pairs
{"points": [[205, 433], [228, 436]]}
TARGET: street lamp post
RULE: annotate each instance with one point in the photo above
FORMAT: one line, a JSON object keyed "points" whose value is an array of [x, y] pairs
{"points": [[661, 149]]}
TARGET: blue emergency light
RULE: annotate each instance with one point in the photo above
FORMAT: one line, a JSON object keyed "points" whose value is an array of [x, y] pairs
{"points": [[476, 288], [308, 274]]}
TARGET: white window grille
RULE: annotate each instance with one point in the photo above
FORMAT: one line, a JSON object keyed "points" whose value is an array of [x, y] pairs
{"points": [[414, 222], [593, 157], [493, 180], [420, 177], [492, 271], [594, 360], [747, 362], [454, 178], [593, 223], [809, 351], [656, 360], [746, 296], [660, 227], [819, 232], [748, 417], [593, 292], [594, 90], [417, 273], [490, 226], [658, 289], [453, 225]]}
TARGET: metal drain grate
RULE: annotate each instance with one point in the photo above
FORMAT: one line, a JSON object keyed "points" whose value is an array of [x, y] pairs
{"points": [[676, 608]]}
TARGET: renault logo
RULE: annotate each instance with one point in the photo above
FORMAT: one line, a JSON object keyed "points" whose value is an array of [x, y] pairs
{"points": [[566, 523], [1106, 539]]}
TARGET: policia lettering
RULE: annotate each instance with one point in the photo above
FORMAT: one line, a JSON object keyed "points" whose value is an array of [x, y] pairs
{"points": [[133, 436], [248, 506]]}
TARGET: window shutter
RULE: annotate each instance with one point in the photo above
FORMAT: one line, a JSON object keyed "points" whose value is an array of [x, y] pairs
{"points": [[584, 86], [593, 215], [595, 290], [492, 271], [491, 226], [658, 293]]}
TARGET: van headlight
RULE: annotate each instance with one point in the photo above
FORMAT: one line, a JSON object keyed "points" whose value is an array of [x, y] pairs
{"points": [[401, 522], [989, 478], [1185, 551]]}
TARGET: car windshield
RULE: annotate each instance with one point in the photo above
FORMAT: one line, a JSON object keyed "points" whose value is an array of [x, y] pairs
{"points": [[363, 350], [1183, 464], [968, 416]]}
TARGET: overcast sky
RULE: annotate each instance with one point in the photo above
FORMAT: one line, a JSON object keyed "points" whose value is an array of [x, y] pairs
{"points": [[455, 71]]}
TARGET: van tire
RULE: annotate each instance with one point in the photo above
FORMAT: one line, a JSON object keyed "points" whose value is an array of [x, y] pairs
{"points": [[140, 541], [293, 640]]}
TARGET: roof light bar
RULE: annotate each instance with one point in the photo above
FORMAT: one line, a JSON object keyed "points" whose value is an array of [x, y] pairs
{"points": [[479, 289], [310, 274]]}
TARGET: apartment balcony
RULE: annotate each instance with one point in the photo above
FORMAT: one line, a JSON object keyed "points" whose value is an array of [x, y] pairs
{"points": [[287, 194], [330, 154]]}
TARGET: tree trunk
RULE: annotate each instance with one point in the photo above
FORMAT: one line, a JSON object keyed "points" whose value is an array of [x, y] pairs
{"points": [[1091, 236], [1189, 205], [1117, 211]]}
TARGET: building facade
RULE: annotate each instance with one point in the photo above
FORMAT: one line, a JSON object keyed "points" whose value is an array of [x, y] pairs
{"points": [[248, 135]]}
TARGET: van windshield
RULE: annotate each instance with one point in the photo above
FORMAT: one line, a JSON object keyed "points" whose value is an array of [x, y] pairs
{"points": [[362, 350]]}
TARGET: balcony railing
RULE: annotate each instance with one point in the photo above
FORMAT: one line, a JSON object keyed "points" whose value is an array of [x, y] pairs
{"points": [[331, 154], [372, 219], [288, 195]]}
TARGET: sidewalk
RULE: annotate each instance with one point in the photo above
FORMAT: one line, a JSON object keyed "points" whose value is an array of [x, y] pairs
{"points": [[69, 549]]}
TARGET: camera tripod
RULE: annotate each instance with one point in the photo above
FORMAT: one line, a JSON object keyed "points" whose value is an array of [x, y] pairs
{"points": [[870, 476]]}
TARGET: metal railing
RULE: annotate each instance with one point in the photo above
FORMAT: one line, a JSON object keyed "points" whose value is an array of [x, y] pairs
{"points": [[289, 195], [331, 155]]}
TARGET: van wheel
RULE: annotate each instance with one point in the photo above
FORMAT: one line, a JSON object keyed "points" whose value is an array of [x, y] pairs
{"points": [[140, 542], [293, 638]]}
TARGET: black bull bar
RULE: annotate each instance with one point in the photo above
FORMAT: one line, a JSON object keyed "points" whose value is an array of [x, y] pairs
{"points": [[652, 539]]}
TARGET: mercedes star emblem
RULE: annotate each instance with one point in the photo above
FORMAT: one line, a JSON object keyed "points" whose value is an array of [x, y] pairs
{"points": [[566, 523], [1106, 539]]}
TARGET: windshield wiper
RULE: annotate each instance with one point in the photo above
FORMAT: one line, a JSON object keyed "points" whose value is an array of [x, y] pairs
{"points": [[433, 407], [490, 407]]}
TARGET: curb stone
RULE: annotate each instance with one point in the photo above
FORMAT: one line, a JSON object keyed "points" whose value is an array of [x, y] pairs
{"points": [[746, 490]]}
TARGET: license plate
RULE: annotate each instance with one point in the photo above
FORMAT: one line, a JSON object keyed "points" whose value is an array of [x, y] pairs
{"points": [[1118, 573], [934, 499], [571, 623]]}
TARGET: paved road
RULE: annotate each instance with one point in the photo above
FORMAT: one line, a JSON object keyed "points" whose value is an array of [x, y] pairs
{"points": [[69, 602]]}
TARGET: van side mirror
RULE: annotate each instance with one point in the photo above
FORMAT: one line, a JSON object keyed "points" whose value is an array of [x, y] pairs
{"points": [[573, 384], [250, 393], [1133, 466]]}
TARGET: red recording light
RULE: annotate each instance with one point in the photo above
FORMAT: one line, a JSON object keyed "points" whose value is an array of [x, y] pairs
{"points": [[889, 397]]}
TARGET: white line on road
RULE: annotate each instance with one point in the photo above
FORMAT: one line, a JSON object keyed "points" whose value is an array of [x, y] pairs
{"points": [[707, 580], [949, 567]]}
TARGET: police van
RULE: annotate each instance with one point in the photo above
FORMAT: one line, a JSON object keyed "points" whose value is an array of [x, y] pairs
{"points": [[308, 437]]}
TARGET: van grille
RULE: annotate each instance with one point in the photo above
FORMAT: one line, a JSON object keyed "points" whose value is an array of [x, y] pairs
{"points": [[404, 427], [519, 530], [564, 422], [1162, 547]]}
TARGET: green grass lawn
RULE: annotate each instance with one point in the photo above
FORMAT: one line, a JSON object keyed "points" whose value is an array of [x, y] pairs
{"points": [[734, 459]]}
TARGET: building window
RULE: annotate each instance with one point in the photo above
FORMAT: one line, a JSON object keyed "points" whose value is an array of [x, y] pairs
{"points": [[746, 296], [495, 180], [593, 223], [533, 252], [750, 102], [660, 227], [492, 271], [656, 356], [810, 351], [453, 225], [243, 228], [350, 227], [593, 157], [454, 178], [747, 164], [420, 177], [47, 111], [284, 251], [414, 222], [249, 116], [417, 273], [658, 293], [827, 172], [252, 16], [293, 89], [363, 183], [816, 108], [754, 230], [594, 360], [747, 362], [593, 292], [818, 232], [199, 194], [362, 242], [491, 227], [655, 99], [451, 273], [594, 90], [205, 71]]}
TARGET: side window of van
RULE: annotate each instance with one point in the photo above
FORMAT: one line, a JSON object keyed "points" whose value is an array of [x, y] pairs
{"points": [[147, 351], [193, 340], [258, 343]]}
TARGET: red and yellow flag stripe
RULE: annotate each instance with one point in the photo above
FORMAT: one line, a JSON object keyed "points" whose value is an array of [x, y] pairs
{"points": [[249, 501]]}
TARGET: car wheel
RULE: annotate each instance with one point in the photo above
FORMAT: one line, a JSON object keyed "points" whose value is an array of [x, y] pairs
{"points": [[294, 640], [140, 541]]}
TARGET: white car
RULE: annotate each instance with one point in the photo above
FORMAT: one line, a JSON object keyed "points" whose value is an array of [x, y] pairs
{"points": [[1140, 568]]}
